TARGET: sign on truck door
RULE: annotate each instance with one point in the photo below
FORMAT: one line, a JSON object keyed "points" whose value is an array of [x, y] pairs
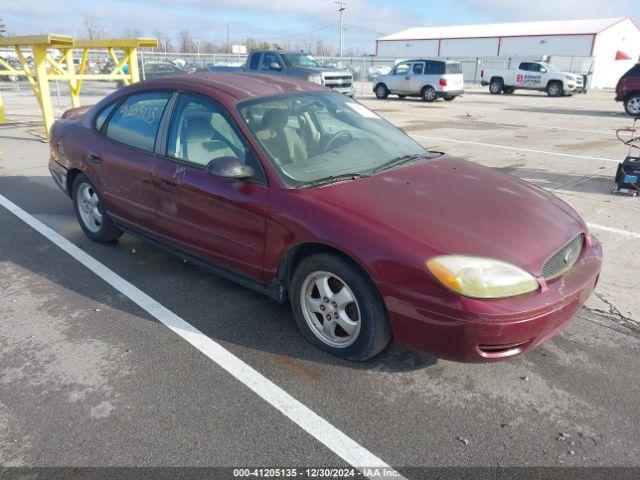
{"points": [[529, 75]]}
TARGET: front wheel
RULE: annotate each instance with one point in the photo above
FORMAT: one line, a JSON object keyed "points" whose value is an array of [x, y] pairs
{"points": [[632, 105], [381, 91], [554, 89], [338, 309], [93, 219], [429, 94]]}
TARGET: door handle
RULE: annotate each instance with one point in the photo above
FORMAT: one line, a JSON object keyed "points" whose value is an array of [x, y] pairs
{"points": [[94, 157], [166, 184]]}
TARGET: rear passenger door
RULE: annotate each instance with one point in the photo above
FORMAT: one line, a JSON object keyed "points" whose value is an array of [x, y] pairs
{"points": [[122, 157], [221, 220]]}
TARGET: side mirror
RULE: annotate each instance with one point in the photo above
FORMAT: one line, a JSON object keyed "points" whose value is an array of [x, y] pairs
{"points": [[275, 66], [229, 167], [543, 70]]}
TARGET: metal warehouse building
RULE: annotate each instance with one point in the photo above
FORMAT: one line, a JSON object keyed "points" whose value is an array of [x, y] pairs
{"points": [[614, 43]]}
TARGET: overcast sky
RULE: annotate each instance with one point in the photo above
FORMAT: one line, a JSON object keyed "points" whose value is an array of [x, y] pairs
{"points": [[276, 19]]}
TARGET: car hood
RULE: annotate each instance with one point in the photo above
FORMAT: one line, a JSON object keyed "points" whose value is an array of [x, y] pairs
{"points": [[447, 205]]}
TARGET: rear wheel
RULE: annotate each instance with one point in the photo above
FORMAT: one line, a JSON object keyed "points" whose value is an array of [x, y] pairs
{"points": [[448, 98], [429, 94], [508, 90], [555, 89], [632, 105], [496, 86], [93, 219], [381, 91], [338, 309]]}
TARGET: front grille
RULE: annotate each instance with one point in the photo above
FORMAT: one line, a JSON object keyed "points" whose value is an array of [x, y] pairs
{"points": [[338, 81], [564, 259]]}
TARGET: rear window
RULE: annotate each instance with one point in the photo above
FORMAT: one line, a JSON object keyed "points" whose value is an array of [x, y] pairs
{"points": [[633, 72], [434, 68], [136, 120], [454, 68]]}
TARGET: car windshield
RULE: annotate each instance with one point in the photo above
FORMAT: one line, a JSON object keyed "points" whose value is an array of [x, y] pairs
{"points": [[300, 60], [316, 137]]}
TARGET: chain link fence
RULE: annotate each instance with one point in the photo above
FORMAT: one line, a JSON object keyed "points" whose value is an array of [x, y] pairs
{"points": [[365, 70]]}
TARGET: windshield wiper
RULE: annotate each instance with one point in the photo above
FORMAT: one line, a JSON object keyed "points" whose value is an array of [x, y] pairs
{"points": [[333, 179], [397, 161]]}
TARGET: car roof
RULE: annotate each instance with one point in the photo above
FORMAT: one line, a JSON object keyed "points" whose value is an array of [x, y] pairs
{"points": [[238, 85]]}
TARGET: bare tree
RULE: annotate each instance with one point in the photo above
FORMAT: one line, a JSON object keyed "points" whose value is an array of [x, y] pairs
{"points": [[185, 42], [94, 29], [164, 41], [129, 32], [3, 29]]}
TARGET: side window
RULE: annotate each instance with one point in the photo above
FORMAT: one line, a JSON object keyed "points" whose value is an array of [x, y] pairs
{"points": [[200, 132], [402, 69], [136, 120], [255, 61], [104, 114], [534, 67], [418, 68], [267, 60], [525, 66]]}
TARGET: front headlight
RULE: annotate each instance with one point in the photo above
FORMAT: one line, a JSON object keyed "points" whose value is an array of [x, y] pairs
{"points": [[315, 78], [481, 277]]}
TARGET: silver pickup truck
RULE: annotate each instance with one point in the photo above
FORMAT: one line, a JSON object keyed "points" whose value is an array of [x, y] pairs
{"points": [[298, 65]]}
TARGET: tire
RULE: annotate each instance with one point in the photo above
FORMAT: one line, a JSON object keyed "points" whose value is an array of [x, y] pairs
{"points": [[496, 86], [429, 94], [363, 313], [508, 90], [555, 89], [381, 91], [401, 97], [93, 219], [449, 98], [632, 105]]}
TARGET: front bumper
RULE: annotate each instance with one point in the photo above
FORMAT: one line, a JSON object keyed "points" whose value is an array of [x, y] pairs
{"points": [[350, 91], [485, 331]]}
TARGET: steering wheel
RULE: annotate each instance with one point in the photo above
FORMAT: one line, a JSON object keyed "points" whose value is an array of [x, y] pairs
{"points": [[333, 142]]}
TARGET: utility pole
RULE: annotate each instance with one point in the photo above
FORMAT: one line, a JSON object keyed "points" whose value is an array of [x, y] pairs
{"points": [[229, 37], [343, 7]]}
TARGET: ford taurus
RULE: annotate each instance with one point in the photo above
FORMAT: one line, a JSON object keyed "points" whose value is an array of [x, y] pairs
{"points": [[306, 195]]}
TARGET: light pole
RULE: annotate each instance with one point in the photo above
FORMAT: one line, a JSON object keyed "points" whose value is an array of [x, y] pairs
{"points": [[229, 37], [343, 7]]}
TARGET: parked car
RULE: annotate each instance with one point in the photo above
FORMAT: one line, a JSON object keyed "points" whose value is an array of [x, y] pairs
{"points": [[539, 76], [375, 71], [162, 69], [628, 91], [308, 196], [429, 79], [296, 65]]}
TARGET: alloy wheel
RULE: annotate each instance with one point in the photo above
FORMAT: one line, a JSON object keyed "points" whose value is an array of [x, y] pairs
{"points": [[89, 207], [330, 309]]}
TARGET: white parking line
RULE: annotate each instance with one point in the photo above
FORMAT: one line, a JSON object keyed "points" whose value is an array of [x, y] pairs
{"points": [[519, 149], [319, 428], [619, 231]]}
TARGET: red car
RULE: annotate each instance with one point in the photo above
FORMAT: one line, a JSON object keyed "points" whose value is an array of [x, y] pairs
{"points": [[628, 91], [304, 194]]}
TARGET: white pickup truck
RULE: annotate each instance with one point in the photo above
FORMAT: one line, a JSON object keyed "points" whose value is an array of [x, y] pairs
{"points": [[532, 76]]}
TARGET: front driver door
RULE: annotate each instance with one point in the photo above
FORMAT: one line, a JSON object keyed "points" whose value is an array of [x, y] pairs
{"points": [[219, 219], [399, 81]]}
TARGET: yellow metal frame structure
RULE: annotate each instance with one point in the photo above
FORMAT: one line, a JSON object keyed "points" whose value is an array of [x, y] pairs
{"points": [[44, 68]]}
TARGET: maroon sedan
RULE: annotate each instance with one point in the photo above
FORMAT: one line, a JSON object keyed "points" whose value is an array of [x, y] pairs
{"points": [[306, 195]]}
